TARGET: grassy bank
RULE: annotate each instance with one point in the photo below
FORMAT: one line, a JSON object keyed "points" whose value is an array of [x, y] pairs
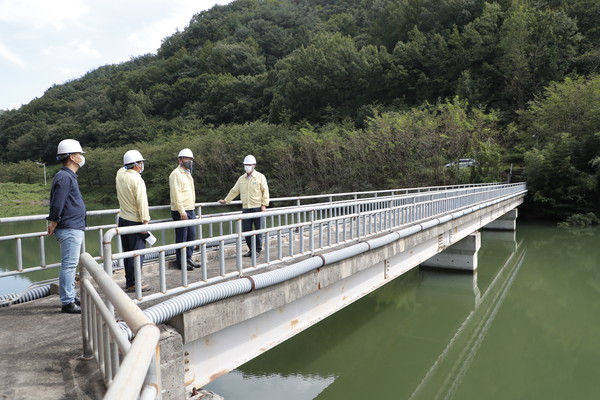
{"points": [[17, 199], [23, 199]]}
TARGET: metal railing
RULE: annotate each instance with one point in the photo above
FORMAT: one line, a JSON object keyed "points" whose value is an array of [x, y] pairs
{"points": [[41, 253], [130, 370], [294, 232]]}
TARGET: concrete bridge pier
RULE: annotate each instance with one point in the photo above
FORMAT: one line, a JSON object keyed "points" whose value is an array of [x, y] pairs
{"points": [[460, 256], [506, 222]]}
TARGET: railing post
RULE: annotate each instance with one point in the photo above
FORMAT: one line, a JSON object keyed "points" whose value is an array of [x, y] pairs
{"points": [[137, 266], [42, 251], [19, 255], [199, 233], [266, 246], [88, 353], [162, 271], [183, 265], [119, 247], [311, 233], [238, 246]]}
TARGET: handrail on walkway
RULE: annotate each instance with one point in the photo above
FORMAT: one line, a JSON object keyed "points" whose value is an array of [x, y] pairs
{"points": [[138, 374], [27, 249], [295, 232]]}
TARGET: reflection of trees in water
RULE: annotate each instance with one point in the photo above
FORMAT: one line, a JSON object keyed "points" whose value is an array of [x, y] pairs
{"points": [[563, 291]]}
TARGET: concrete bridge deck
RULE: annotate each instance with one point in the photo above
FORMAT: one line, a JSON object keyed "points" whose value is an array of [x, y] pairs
{"points": [[40, 349]]}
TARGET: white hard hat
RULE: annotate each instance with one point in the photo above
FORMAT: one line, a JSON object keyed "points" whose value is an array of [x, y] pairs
{"points": [[186, 153], [69, 146], [249, 159], [132, 156]]}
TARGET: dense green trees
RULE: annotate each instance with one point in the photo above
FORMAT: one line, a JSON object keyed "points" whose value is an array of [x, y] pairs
{"points": [[563, 168], [361, 93]]}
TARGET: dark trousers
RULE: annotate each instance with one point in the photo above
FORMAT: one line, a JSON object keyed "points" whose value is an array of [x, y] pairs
{"points": [[185, 234], [133, 241], [247, 226]]}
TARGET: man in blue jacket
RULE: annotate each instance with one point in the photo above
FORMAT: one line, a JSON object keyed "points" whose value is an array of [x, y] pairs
{"points": [[68, 220]]}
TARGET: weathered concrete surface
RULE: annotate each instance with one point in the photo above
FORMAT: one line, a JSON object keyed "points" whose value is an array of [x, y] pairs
{"points": [[507, 222], [460, 256], [39, 353], [171, 363]]}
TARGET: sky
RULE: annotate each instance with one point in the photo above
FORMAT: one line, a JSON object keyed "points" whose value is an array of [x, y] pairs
{"points": [[47, 42]]}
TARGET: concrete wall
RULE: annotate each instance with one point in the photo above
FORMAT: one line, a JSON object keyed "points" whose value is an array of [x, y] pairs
{"points": [[171, 363]]}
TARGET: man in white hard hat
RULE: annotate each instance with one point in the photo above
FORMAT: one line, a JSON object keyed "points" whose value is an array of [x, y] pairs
{"points": [[254, 193], [133, 204], [183, 201], [68, 220]]}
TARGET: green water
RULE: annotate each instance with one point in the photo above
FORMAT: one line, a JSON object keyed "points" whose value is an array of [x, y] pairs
{"points": [[525, 327]]}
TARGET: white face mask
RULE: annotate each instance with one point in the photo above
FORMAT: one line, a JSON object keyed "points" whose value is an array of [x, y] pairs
{"points": [[249, 168], [142, 170], [82, 162]]}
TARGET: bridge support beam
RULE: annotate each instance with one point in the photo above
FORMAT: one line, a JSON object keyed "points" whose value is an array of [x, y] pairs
{"points": [[507, 222], [460, 256]]}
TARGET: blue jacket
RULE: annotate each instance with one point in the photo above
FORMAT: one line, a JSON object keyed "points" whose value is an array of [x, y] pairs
{"points": [[66, 204]]}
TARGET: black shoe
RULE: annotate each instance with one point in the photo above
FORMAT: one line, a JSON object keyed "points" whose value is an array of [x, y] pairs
{"points": [[192, 263], [77, 301], [71, 308], [188, 267], [248, 254]]}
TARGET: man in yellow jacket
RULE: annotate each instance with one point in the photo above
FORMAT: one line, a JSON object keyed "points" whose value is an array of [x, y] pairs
{"points": [[133, 204], [254, 193], [183, 201]]}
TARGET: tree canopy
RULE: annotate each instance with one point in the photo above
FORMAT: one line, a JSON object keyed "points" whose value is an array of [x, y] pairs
{"points": [[414, 83]]}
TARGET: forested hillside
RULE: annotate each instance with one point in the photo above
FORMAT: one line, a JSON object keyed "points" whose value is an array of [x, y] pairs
{"points": [[344, 95]]}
